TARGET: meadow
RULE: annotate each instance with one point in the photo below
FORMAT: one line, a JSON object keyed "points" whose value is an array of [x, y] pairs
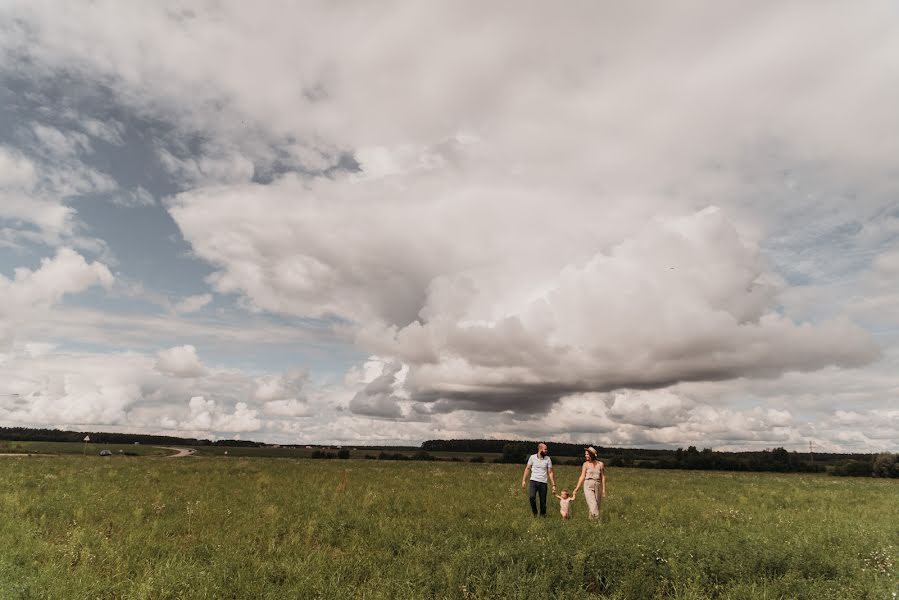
{"points": [[80, 449], [235, 527]]}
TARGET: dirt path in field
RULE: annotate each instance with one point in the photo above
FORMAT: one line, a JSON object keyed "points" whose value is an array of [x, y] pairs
{"points": [[179, 452]]}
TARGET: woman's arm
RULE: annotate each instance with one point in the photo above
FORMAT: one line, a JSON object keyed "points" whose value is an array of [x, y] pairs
{"points": [[581, 480], [603, 480]]}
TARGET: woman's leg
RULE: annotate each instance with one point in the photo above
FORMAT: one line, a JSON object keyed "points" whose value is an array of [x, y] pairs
{"points": [[598, 499], [590, 487]]}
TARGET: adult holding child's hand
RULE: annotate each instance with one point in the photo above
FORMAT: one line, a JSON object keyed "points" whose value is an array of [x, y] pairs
{"points": [[541, 468], [593, 478]]}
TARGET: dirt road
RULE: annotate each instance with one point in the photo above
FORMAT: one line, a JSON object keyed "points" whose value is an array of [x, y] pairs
{"points": [[179, 452]]}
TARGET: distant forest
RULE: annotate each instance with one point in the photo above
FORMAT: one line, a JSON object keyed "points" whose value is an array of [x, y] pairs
{"points": [[515, 451], [777, 460], [26, 434]]}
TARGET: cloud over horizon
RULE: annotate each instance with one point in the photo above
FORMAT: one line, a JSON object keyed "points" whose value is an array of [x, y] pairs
{"points": [[619, 223]]}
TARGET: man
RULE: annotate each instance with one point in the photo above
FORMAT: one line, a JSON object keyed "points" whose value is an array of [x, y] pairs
{"points": [[540, 467]]}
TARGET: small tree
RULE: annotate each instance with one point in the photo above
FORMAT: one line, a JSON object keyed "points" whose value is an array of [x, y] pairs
{"points": [[515, 452], [344, 454], [886, 465]]}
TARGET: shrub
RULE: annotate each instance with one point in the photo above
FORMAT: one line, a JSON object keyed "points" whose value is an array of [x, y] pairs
{"points": [[886, 465], [854, 468]]}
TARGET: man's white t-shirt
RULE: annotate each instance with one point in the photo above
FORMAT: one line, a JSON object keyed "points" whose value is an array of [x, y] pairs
{"points": [[539, 467]]}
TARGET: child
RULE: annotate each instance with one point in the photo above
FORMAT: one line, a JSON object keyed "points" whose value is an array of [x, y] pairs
{"points": [[565, 504]]}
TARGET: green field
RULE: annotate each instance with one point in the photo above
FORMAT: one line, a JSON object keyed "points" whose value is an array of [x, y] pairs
{"points": [[86, 449], [133, 527], [93, 449]]}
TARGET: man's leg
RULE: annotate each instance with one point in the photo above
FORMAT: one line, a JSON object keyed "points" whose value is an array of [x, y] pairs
{"points": [[542, 490], [532, 496]]}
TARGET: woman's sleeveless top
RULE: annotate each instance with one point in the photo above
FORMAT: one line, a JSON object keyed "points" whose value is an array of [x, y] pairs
{"points": [[594, 471]]}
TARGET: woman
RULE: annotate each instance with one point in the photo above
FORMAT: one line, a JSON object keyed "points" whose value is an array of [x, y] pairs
{"points": [[593, 478]]}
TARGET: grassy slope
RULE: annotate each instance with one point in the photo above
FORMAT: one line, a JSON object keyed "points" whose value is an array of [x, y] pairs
{"points": [[73, 527], [264, 452], [90, 449]]}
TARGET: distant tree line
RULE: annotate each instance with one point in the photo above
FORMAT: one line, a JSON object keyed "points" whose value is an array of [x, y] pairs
{"points": [[499, 446], [342, 454], [777, 460], [516, 452], [881, 465], [28, 434]]}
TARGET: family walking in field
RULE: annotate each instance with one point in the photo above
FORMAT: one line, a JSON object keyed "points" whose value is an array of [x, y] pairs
{"points": [[593, 478]]}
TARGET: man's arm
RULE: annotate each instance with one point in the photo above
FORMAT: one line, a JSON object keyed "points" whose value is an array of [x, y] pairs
{"points": [[524, 475], [552, 476]]}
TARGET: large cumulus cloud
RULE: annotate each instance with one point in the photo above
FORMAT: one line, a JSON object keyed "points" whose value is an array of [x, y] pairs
{"points": [[499, 316]]}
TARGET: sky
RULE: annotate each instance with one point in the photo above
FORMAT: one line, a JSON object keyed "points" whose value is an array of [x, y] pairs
{"points": [[631, 224]]}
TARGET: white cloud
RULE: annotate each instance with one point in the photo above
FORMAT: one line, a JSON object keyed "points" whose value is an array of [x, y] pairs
{"points": [[283, 395], [59, 143], [31, 292], [136, 197], [287, 408], [180, 361], [18, 180], [109, 131], [378, 398], [34, 187], [38, 349], [285, 386], [122, 391], [193, 303], [660, 408], [218, 165], [207, 415], [66, 273], [56, 390]]}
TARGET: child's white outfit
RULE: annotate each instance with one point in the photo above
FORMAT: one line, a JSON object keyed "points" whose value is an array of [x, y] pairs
{"points": [[565, 506]]}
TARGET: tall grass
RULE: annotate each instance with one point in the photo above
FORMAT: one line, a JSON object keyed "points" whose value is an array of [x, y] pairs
{"points": [[73, 527]]}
